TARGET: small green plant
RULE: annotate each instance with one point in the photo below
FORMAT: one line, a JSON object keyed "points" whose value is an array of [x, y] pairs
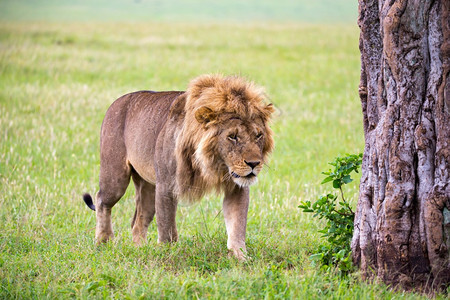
{"points": [[338, 230]]}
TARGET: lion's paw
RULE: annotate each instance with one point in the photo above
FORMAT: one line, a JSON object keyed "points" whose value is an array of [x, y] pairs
{"points": [[240, 254]]}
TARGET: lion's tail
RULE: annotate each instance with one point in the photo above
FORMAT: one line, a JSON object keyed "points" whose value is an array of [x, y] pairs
{"points": [[88, 200]]}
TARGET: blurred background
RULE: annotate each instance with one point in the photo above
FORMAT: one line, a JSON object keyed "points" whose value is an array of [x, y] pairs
{"points": [[318, 11]]}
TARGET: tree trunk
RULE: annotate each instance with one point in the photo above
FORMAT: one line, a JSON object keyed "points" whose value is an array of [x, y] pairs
{"points": [[402, 223]]}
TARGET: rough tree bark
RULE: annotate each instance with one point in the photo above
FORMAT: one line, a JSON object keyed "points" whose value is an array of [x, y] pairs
{"points": [[402, 223]]}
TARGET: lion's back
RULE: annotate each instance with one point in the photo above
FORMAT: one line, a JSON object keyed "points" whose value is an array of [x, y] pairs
{"points": [[133, 123]]}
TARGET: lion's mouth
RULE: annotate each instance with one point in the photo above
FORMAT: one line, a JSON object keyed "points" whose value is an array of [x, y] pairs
{"points": [[244, 181], [249, 176]]}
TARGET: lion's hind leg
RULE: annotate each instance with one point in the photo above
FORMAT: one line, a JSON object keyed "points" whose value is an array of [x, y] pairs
{"points": [[145, 208], [114, 180]]}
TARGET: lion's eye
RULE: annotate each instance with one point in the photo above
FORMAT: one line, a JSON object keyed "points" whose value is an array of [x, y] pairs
{"points": [[232, 137]]}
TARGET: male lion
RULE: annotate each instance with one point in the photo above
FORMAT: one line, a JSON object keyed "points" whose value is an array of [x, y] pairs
{"points": [[179, 146]]}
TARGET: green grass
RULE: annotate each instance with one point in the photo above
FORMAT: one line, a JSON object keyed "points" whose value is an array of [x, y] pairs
{"points": [[56, 82], [330, 11]]}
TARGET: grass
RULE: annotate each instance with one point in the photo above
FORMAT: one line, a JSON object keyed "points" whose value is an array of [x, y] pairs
{"points": [[318, 11], [56, 82]]}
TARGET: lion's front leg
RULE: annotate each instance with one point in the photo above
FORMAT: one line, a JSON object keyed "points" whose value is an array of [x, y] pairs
{"points": [[166, 209], [235, 208]]}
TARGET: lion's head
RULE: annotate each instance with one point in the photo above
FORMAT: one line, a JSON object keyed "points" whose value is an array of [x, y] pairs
{"points": [[225, 138]]}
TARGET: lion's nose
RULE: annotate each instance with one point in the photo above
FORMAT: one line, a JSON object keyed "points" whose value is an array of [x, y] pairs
{"points": [[252, 164]]}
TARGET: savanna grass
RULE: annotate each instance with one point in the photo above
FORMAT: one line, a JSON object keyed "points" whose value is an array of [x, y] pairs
{"points": [[56, 82]]}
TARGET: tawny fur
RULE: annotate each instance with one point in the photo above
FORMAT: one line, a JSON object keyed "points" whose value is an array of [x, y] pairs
{"points": [[179, 146]]}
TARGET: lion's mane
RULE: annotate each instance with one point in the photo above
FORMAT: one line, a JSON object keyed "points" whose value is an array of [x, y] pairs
{"points": [[199, 169]]}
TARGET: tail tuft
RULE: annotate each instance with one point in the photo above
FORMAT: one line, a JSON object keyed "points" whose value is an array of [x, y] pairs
{"points": [[88, 200]]}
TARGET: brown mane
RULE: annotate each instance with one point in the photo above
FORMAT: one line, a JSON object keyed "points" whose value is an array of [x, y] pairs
{"points": [[226, 97]]}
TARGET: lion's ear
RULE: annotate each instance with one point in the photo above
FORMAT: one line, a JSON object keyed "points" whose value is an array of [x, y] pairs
{"points": [[205, 115], [270, 109]]}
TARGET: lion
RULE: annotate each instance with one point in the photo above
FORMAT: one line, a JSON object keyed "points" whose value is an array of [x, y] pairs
{"points": [[178, 146]]}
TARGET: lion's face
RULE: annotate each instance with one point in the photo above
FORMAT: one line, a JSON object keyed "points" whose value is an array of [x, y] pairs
{"points": [[234, 147], [240, 146]]}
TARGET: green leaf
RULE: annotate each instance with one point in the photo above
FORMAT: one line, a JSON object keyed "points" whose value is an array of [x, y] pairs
{"points": [[316, 257], [347, 179], [331, 197], [328, 179], [336, 183]]}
